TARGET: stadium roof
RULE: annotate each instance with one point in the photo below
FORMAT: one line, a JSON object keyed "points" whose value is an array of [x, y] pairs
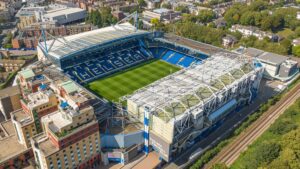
{"points": [[173, 95], [63, 11], [75, 43]]}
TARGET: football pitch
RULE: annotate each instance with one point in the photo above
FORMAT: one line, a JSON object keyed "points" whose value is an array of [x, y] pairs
{"points": [[127, 81]]}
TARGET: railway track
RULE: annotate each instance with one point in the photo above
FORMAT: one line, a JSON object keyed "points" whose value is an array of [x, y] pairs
{"points": [[231, 152]]}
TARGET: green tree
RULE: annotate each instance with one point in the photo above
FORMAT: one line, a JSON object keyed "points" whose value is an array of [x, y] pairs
{"points": [[296, 51], [266, 152], [182, 9], [248, 18], [287, 45], [166, 5], [297, 31], [232, 16], [258, 5], [142, 3], [266, 23], [282, 127], [206, 16]]}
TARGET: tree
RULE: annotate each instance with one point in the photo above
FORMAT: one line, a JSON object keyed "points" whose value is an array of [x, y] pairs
{"points": [[232, 16], [182, 9], [206, 16], [296, 51], [248, 18], [266, 152], [277, 22], [287, 45], [297, 31], [258, 5], [166, 5], [266, 23], [155, 22], [142, 3], [282, 127]]}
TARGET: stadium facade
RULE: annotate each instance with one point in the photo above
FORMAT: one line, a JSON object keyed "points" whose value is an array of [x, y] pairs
{"points": [[175, 110]]}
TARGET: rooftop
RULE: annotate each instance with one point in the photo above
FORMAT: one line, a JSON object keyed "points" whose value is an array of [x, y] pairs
{"points": [[43, 141], [45, 144], [173, 95], [27, 73], [205, 48], [59, 120], [75, 43], [9, 91], [161, 10], [22, 117], [63, 11], [253, 52], [69, 87], [272, 58], [39, 98], [9, 145], [9, 61]]}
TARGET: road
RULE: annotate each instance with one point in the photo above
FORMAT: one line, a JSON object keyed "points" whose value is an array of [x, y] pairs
{"points": [[232, 151], [183, 160]]}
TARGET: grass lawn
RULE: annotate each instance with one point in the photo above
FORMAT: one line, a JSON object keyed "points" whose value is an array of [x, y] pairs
{"points": [[127, 81]]}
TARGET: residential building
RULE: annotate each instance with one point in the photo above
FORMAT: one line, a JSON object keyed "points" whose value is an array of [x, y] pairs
{"points": [[29, 36], [64, 16], [27, 120], [71, 138], [162, 14], [228, 40], [12, 153], [30, 82], [253, 31], [12, 65], [152, 4], [9, 100]]}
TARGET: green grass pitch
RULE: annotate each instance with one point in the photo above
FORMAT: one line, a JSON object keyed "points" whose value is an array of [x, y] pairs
{"points": [[126, 82]]}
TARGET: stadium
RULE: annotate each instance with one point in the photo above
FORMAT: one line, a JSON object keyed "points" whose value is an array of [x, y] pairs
{"points": [[176, 88]]}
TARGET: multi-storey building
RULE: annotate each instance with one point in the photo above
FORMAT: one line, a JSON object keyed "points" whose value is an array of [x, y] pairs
{"points": [[34, 107], [56, 122], [11, 65], [71, 138], [30, 82], [9, 100], [12, 153]]}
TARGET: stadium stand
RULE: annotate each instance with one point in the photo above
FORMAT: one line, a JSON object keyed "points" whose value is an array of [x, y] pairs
{"points": [[114, 58], [108, 55], [105, 64]]}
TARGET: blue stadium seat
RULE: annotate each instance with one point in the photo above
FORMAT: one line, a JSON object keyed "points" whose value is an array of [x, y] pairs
{"points": [[96, 70], [174, 58], [81, 72], [167, 55], [187, 61], [117, 62], [127, 59], [105, 65]]}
